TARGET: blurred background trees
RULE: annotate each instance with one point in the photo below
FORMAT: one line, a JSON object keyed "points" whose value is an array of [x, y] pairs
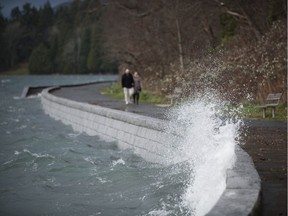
{"points": [[234, 46], [64, 40]]}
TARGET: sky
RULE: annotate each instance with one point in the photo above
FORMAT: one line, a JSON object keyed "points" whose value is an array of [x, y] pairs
{"points": [[10, 4]]}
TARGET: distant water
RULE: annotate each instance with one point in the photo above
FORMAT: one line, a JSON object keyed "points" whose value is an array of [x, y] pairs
{"points": [[48, 169]]}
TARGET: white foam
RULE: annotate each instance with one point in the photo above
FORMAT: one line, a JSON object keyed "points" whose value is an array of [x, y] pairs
{"points": [[208, 144], [159, 213], [8, 162], [34, 96], [22, 127], [103, 180], [5, 80], [73, 135], [119, 161], [36, 155], [90, 160]]}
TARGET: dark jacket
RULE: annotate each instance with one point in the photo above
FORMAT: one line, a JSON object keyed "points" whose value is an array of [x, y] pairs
{"points": [[137, 84], [127, 80]]}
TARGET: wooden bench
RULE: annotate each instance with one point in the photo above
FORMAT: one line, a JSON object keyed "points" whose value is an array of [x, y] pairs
{"points": [[272, 101], [175, 95]]}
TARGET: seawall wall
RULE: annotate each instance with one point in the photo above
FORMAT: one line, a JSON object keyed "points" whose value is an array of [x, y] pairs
{"points": [[147, 137]]}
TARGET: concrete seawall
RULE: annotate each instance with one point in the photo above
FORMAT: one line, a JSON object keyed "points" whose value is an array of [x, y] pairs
{"points": [[147, 137]]}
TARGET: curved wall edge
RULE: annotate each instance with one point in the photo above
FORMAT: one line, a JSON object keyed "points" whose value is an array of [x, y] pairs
{"points": [[147, 137]]}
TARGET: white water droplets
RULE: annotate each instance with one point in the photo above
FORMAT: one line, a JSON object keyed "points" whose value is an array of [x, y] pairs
{"points": [[207, 142]]}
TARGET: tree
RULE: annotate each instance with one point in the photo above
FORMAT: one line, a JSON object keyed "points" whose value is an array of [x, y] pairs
{"points": [[3, 51], [46, 15], [94, 61], [40, 61], [84, 51], [12, 35], [29, 16], [16, 14]]}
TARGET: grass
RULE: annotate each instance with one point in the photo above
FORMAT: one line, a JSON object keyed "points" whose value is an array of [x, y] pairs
{"points": [[252, 111], [20, 70], [116, 91], [249, 110]]}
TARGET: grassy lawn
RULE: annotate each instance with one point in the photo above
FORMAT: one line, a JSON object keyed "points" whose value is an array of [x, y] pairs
{"points": [[252, 111], [116, 91], [249, 110], [21, 70]]}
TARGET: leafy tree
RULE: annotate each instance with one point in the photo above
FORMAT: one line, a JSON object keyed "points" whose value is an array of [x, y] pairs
{"points": [[3, 50], [94, 61], [16, 14], [46, 15], [54, 53], [30, 16], [12, 36], [40, 61], [84, 51]]}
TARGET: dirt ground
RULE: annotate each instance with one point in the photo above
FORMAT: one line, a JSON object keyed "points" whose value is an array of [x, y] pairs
{"points": [[268, 148]]}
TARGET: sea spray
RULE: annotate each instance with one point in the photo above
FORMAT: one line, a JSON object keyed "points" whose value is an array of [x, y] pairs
{"points": [[207, 134]]}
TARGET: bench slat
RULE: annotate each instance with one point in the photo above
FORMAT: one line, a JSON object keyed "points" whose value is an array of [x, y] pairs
{"points": [[276, 96]]}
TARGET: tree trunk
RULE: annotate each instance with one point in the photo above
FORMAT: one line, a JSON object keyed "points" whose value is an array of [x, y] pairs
{"points": [[180, 46]]}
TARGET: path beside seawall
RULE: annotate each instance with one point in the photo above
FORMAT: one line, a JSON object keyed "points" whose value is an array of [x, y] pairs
{"points": [[142, 128]]}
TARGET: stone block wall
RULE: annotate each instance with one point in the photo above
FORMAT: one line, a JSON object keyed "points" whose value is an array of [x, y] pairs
{"points": [[147, 137]]}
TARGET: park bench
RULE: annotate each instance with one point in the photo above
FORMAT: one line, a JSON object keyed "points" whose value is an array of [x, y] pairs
{"points": [[175, 95], [272, 101]]}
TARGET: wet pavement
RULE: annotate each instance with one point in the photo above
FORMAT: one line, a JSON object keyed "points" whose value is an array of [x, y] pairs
{"points": [[265, 141]]}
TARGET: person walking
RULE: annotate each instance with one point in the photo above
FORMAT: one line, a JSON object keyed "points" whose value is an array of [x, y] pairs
{"points": [[127, 82], [137, 87]]}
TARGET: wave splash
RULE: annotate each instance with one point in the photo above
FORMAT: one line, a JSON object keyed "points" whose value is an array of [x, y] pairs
{"points": [[208, 135]]}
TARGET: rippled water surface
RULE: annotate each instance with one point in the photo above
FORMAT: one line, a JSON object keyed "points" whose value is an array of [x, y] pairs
{"points": [[48, 169]]}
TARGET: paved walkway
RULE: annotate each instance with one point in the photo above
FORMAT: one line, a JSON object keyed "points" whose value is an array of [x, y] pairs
{"points": [[265, 142]]}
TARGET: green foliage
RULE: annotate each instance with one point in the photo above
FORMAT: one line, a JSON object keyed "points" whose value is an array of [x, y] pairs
{"points": [[116, 91], [276, 10], [229, 25], [94, 61], [73, 35], [3, 49], [15, 14], [40, 61], [22, 69], [46, 15], [253, 111], [84, 51]]}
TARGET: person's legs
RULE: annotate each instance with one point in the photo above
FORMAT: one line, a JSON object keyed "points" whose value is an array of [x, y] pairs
{"points": [[131, 92], [137, 97], [126, 95], [134, 98]]}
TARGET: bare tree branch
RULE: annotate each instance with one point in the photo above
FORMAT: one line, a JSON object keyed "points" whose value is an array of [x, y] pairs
{"points": [[244, 16], [139, 15]]}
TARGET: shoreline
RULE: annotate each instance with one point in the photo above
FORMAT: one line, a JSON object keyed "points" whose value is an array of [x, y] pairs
{"points": [[243, 197]]}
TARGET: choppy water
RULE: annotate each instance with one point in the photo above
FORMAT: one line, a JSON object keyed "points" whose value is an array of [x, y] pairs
{"points": [[48, 169]]}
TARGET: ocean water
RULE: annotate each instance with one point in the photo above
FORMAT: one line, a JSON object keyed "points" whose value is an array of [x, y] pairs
{"points": [[48, 169]]}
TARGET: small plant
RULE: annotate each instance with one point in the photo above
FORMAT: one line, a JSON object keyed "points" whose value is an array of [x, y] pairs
{"points": [[114, 90]]}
